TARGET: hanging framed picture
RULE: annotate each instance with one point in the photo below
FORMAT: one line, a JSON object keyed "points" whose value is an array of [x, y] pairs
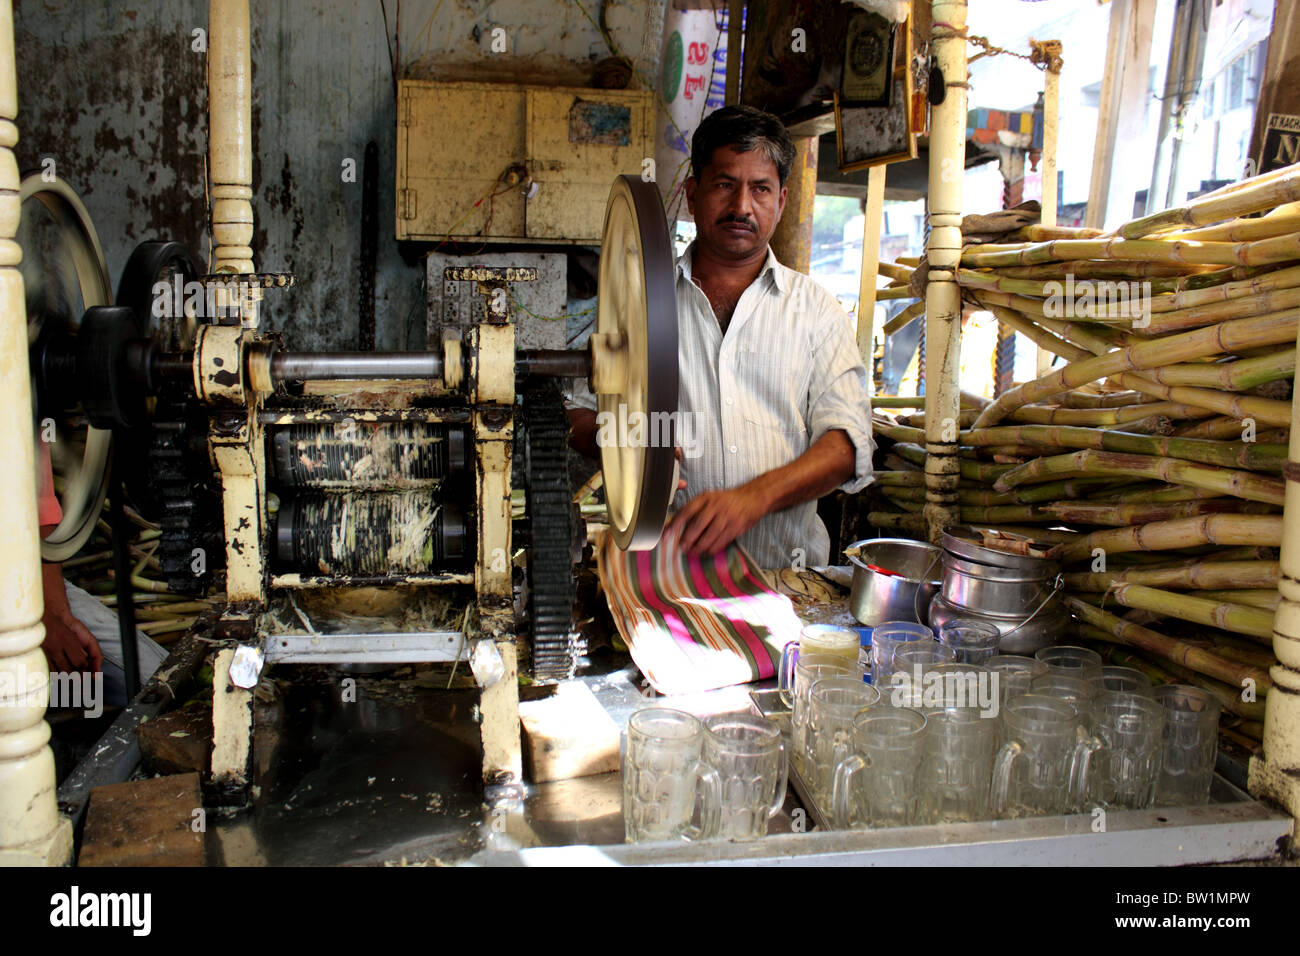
{"points": [[868, 63], [875, 135]]}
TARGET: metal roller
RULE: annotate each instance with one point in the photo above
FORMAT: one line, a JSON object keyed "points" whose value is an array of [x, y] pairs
{"points": [[392, 533], [369, 456]]}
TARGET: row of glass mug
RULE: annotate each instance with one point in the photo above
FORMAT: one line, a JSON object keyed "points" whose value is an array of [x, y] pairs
{"points": [[728, 771], [946, 742]]}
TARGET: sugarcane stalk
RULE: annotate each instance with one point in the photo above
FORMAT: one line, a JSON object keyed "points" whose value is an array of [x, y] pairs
{"points": [[906, 478], [1165, 671], [903, 318], [1272, 329], [1251, 197], [1265, 530], [897, 401], [1260, 597], [890, 521], [1231, 376], [1172, 649], [1227, 481], [1086, 399], [1120, 515], [1199, 575], [1256, 457], [1238, 618]]}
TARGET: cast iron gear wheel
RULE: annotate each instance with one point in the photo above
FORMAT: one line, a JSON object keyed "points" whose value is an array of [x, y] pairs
{"points": [[173, 482], [555, 644]]}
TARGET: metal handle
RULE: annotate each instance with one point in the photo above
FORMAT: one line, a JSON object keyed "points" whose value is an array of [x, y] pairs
{"points": [[1057, 585], [916, 595]]}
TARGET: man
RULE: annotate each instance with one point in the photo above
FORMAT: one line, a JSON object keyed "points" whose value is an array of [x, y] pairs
{"points": [[771, 380]]}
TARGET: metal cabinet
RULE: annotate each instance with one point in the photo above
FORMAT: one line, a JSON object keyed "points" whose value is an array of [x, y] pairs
{"points": [[504, 163]]}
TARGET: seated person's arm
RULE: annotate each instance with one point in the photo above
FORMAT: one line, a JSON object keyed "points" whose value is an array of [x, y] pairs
{"points": [[582, 431], [68, 645]]}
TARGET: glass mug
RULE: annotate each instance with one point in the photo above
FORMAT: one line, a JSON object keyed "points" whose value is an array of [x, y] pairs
{"points": [[1043, 766], [940, 685], [833, 703], [1128, 680], [1015, 674], [973, 641], [749, 756], [885, 637], [880, 785], [1131, 727], [815, 639], [957, 765], [1191, 745], [809, 669], [665, 777], [1075, 661], [1081, 694]]}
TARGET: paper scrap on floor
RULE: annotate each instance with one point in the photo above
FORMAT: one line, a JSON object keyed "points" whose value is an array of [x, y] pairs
{"points": [[695, 623]]}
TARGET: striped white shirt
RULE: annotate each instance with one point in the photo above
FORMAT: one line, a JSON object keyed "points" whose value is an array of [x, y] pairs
{"points": [[786, 372]]}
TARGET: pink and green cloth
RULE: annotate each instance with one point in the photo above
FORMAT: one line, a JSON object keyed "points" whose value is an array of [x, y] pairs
{"points": [[696, 623]]}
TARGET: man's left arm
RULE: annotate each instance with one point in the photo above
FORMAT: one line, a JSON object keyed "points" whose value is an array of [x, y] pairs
{"points": [[838, 417]]}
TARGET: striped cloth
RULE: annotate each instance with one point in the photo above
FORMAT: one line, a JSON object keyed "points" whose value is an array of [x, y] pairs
{"points": [[692, 623]]}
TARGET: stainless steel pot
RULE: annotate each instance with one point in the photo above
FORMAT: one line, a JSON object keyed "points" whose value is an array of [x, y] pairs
{"points": [[995, 590], [904, 596], [1020, 634]]}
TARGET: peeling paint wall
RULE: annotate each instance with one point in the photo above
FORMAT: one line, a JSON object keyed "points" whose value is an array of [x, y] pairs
{"points": [[115, 94]]}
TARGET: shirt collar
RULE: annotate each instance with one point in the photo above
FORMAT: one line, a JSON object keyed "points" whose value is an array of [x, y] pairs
{"points": [[770, 267]]}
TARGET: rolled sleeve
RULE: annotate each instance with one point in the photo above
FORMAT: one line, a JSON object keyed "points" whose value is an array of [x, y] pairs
{"points": [[837, 396]]}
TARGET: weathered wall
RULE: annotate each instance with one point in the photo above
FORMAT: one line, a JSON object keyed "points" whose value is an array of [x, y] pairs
{"points": [[114, 93]]}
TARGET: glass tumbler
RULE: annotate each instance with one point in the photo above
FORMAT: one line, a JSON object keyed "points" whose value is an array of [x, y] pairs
{"points": [[1191, 744], [1075, 661], [957, 765], [810, 669], [749, 755], [885, 637], [946, 684], [1043, 766], [1014, 673], [815, 639], [973, 641], [833, 703], [665, 778], [1131, 728], [880, 784]]}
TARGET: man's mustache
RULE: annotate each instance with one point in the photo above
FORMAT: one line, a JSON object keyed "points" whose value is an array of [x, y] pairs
{"points": [[747, 223]]}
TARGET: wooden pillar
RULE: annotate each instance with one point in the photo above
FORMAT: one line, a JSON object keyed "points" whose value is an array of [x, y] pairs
{"points": [[230, 134], [873, 221], [1276, 775], [32, 831], [1051, 127], [942, 295], [792, 241]]}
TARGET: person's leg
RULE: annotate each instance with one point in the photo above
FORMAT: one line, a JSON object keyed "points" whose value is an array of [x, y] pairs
{"points": [[102, 622]]}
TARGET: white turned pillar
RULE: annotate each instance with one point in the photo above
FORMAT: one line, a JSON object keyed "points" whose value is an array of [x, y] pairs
{"points": [[32, 832], [942, 295], [230, 134]]}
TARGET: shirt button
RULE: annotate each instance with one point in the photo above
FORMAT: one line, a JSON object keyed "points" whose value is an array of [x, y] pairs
{"points": [[733, 449], [730, 400]]}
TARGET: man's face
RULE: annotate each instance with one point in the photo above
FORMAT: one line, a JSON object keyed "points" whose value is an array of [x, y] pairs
{"points": [[736, 202]]}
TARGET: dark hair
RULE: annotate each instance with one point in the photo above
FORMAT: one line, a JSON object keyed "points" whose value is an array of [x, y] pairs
{"points": [[742, 128]]}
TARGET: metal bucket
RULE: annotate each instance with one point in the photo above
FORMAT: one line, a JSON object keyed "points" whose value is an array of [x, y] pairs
{"points": [[875, 597], [1018, 595]]}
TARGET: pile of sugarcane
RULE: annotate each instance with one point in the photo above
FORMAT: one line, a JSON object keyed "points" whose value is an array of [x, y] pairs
{"points": [[159, 613], [1150, 457]]}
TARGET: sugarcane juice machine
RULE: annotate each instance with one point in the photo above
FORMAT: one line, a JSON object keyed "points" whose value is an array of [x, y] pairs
{"points": [[302, 474]]}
